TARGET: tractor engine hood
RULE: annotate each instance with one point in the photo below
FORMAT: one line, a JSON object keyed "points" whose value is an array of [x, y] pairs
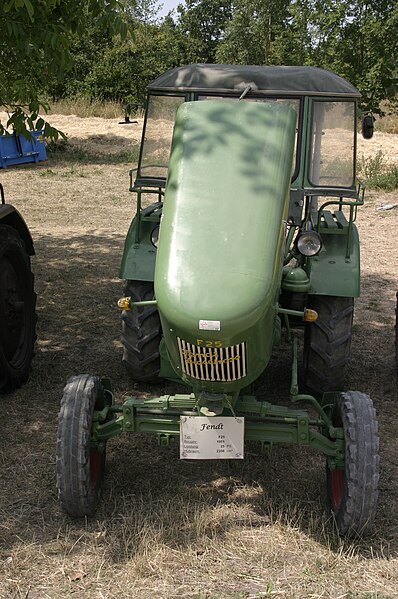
{"points": [[220, 251]]}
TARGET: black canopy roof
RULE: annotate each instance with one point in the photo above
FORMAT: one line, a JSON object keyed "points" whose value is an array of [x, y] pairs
{"points": [[270, 80]]}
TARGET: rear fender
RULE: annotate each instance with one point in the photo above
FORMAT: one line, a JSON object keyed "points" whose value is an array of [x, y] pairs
{"points": [[334, 271], [11, 217]]}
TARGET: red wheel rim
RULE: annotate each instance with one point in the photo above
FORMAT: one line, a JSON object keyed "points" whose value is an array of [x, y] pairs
{"points": [[95, 466]]}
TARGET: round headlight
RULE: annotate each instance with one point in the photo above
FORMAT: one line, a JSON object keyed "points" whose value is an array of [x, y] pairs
{"points": [[155, 236], [309, 243]]}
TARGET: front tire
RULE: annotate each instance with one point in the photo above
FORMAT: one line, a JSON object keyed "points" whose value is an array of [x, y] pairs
{"points": [[80, 466], [141, 334], [17, 311], [352, 492], [327, 343]]}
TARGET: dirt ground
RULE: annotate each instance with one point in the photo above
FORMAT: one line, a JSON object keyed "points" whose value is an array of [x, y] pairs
{"points": [[165, 528]]}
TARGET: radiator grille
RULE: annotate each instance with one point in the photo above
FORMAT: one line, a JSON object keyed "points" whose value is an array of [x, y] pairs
{"points": [[213, 363]]}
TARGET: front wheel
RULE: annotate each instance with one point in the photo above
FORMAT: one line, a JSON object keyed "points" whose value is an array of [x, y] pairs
{"points": [[80, 465], [17, 311], [352, 492]]}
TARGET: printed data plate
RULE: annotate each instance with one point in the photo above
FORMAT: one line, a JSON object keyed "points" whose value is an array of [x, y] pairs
{"points": [[209, 325], [214, 438]]}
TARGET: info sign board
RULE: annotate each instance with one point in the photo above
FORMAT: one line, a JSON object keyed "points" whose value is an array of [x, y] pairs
{"points": [[214, 438]]}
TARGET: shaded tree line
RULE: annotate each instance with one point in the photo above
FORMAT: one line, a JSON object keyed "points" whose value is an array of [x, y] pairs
{"points": [[111, 49], [355, 38]]}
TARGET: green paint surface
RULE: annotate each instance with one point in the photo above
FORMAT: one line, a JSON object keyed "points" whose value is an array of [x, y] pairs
{"points": [[221, 239]]}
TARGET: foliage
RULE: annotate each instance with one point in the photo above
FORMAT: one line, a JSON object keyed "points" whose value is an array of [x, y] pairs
{"points": [[201, 27], [387, 180], [110, 49], [255, 33], [354, 38], [35, 46], [118, 69]]}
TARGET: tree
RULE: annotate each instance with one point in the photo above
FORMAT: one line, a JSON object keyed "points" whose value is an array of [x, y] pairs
{"points": [[127, 66], [35, 47], [201, 25], [112, 68], [254, 34], [355, 38], [368, 49]]}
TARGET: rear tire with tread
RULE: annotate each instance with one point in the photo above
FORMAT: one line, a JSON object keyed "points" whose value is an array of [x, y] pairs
{"points": [[352, 492], [141, 334], [396, 333], [327, 343], [80, 467], [17, 311]]}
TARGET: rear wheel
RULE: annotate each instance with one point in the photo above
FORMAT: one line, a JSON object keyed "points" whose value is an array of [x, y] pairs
{"points": [[17, 311], [396, 334], [352, 492], [80, 465], [141, 334], [327, 343]]}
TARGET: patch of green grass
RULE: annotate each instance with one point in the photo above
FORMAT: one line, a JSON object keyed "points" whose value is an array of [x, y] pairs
{"points": [[377, 175], [63, 151], [48, 172], [66, 174], [387, 180], [372, 166], [73, 172]]}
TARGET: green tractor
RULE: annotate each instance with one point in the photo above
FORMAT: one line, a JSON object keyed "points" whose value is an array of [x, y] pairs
{"points": [[17, 298], [251, 236]]}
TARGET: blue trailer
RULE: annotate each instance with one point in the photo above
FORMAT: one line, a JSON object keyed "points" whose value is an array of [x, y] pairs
{"points": [[16, 149]]}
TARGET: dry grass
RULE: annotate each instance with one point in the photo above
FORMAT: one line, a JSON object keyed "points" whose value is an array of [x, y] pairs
{"points": [[389, 122], [84, 108], [165, 528]]}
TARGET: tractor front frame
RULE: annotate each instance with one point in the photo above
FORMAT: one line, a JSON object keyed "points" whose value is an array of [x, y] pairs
{"points": [[264, 422]]}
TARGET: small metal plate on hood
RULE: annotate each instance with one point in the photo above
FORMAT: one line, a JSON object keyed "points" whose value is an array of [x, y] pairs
{"points": [[209, 325]]}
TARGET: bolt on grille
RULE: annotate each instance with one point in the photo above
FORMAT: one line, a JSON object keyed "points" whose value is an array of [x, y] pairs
{"points": [[213, 363]]}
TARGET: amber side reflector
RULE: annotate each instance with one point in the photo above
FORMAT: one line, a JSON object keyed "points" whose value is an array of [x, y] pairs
{"points": [[310, 315], [124, 303]]}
